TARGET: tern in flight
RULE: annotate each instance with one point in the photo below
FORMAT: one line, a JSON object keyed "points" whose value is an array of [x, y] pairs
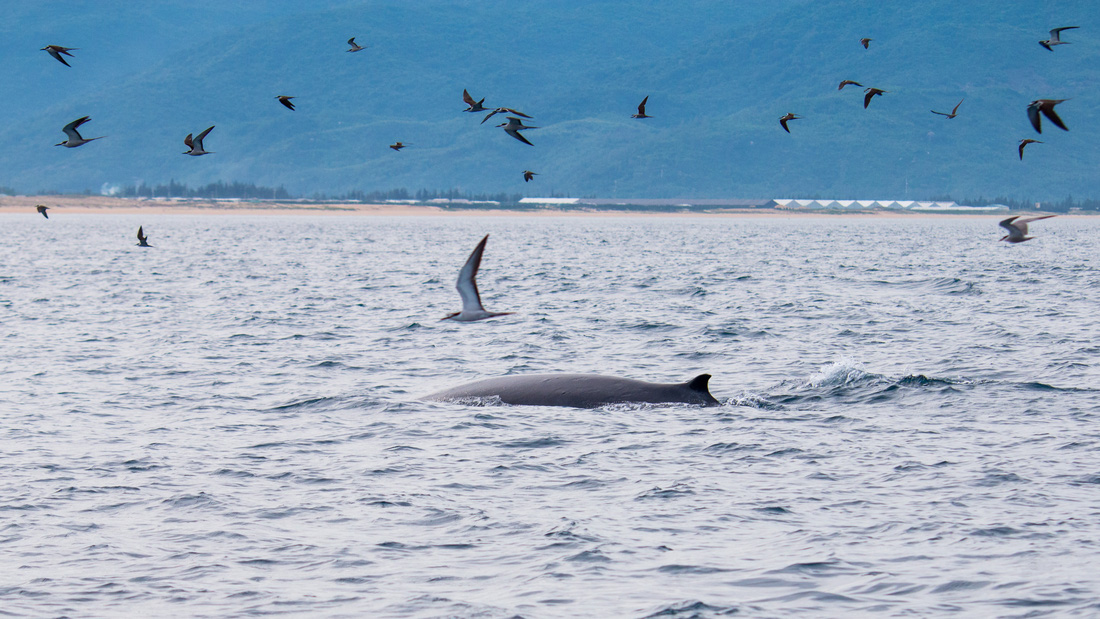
{"points": [[75, 138], [398, 145], [143, 241], [528, 175], [196, 144], [954, 112], [474, 106], [355, 47], [871, 92], [1017, 228], [513, 128], [285, 100], [641, 109], [42, 209], [467, 289], [502, 110], [1024, 143], [788, 116], [57, 50], [848, 83], [865, 42], [1046, 107], [1054, 39]]}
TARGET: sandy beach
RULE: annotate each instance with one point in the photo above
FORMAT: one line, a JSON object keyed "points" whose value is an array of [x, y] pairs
{"points": [[84, 204]]}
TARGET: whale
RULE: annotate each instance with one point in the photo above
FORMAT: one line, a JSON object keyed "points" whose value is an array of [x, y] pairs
{"points": [[578, 391]]}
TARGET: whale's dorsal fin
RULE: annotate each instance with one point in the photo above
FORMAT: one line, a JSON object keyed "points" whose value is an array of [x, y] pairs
{"points": [[699, 383]]}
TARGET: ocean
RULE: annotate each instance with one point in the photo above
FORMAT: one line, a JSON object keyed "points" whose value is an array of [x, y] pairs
{"points": [[228, 425]]}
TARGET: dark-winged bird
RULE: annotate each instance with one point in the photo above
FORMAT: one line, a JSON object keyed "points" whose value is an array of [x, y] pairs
{"points": [[42, 209], [285, 100], [355, 47], [143, 241], [954, 112], [75, 138], [474, 106], [502, 110], [1024, 143], [196, 144], [57, 50], [848, 83], [788, 116], [1017, 228], [865, 42], [871, 92], [1046, 108], [641, 109], [528, 175], [467, 289], [513, 128], [1054, 39], [398, 145]]}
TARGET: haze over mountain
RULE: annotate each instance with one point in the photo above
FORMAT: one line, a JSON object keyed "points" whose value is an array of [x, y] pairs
{"points": [[718, 75]]}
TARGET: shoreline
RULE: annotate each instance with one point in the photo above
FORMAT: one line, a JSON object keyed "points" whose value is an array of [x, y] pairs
{"points": [[83, 204]]}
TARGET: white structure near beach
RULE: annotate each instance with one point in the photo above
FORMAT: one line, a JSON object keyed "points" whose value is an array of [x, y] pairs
{"points": [[782, 204]]}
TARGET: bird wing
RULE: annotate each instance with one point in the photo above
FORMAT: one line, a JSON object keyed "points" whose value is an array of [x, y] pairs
{"points": [[467, 279], [1022, 223], [1048, 111], [351, 42], [516, 112], [867, 98], [957, 107], [1054, 34], [1033, 116], [141, 236], [199, 137], [1013, 229], [70, 129], [516, 134], [783, 121], [641, 106], [467, 98], [1022, 145], [490, 114], [57, 55]]}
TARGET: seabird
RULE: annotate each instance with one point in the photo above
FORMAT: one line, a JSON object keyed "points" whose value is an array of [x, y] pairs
{"points": [[196, 144], [865, 42], [528, 175], [1046, 106], [953, 113], [871, 92], [142, 239], [514, 126], [74, 136], [398, 145], [641, 109], [1054, 39], [285, 100], [785, 118], [474, 106], [1024, 143], [467, 289], [504, 110], [1017, 228], [57, 50], [355, 47], [848, 83], [42, 209]]}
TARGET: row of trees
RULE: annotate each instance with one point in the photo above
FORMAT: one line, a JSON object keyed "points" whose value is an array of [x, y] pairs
{"points": [[220, 189], [1063, 206]]}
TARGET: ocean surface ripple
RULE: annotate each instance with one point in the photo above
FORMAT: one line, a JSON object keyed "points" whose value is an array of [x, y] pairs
{"points": [[227, 425]]}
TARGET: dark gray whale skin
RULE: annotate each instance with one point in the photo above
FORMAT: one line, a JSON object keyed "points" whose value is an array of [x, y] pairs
{"points": [[580, 391]]}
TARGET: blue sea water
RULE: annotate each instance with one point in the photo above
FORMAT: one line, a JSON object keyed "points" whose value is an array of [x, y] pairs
{"points": [[227, 424]]}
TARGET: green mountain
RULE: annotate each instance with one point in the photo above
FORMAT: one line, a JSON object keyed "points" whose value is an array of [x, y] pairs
{"points": [[718, 74]]}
